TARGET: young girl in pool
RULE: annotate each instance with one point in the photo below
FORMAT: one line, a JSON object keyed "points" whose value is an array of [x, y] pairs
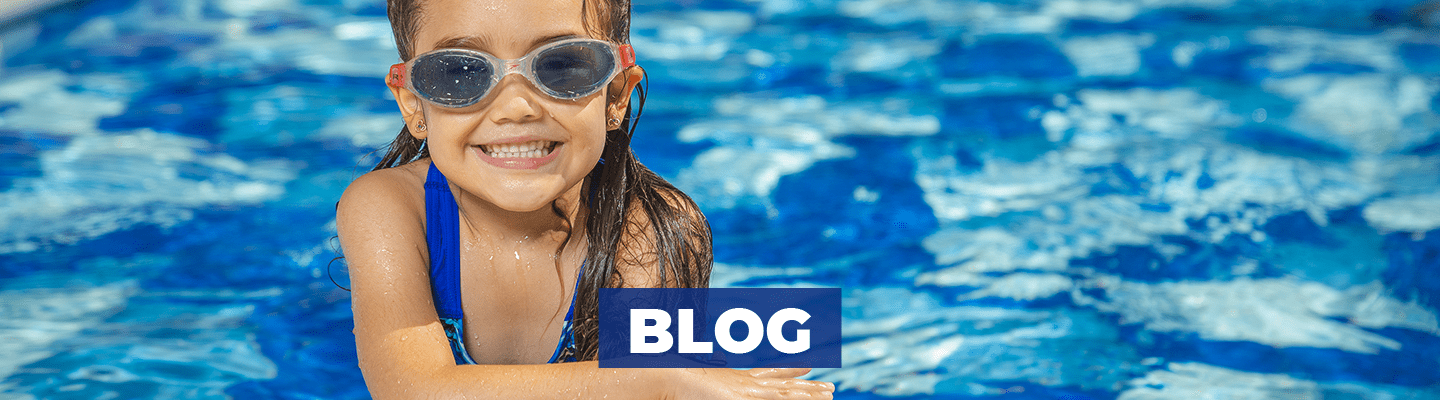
{"points": [[478, 245]]}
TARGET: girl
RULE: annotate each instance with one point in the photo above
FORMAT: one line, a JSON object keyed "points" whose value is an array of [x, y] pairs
{"points": [[478, 245]]}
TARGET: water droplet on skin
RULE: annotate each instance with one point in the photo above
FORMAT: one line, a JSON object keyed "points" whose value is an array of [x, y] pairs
{"points": [[517, 255]]}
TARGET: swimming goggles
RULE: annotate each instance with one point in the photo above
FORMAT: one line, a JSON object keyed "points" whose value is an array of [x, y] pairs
{"points": [[567, 70]]}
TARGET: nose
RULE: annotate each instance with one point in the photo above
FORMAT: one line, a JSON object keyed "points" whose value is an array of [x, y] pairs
{"points": [[514, 102]]}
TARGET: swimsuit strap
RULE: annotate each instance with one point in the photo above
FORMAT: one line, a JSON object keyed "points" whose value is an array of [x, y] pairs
{"points": [[442, 233], [565, 350], [442, 237]]}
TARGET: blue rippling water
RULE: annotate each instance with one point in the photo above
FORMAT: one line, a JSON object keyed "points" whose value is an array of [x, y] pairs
{"points": [[1022, 199]]}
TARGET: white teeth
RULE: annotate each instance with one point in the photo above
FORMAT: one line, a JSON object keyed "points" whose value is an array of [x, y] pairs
{"points": [[531, 149]]}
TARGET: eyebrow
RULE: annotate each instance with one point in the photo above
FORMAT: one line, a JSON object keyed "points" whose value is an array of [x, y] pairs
{"points": [[482, 42]]}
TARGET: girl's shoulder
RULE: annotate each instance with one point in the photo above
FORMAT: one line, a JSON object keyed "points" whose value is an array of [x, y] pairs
{"points": [[385, 194], [667, 224]]}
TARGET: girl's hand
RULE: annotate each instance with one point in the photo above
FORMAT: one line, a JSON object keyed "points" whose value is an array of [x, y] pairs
{"points": [[759, 383]]}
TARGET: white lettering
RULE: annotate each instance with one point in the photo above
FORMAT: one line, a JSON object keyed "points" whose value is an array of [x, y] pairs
{"points": [[752, 338], [687, 335], [777, 321], [639, 330]]}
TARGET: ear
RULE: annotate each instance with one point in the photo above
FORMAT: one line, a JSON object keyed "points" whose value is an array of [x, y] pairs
{"points": [[618, 101], [410, 110]]}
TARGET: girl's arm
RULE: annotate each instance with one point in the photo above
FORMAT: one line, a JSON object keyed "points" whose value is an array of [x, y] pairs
{"points": [[402, 349]]}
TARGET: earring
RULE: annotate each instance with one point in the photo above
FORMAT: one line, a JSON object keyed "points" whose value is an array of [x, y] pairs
{"points": [[615, 122], [420, 125]]}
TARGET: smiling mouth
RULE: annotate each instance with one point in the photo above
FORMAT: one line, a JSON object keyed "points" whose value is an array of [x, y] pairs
{"points": [[531, 149]]}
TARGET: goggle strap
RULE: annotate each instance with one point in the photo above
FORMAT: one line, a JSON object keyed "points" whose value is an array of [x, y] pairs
{"points": [[397, 76], [627, 56]]}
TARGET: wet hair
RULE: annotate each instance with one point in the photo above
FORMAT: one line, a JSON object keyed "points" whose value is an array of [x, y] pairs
{"points": [[617, 188]]}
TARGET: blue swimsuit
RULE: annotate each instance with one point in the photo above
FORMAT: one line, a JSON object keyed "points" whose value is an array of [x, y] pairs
{"points": [[442, 235]]}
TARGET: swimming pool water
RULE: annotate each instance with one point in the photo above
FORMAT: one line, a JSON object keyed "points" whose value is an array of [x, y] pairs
{"points": [[1022, 199]]}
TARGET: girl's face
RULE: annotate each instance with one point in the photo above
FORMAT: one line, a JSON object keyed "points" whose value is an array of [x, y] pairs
{"points": [[489, 149]]}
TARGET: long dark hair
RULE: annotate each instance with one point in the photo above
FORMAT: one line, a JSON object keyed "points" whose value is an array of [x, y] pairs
{"points": [[677, 231]]}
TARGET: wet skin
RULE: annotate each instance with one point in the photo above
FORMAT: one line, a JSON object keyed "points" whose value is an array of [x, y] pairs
{"points": [[517, 269], [510, 236]]}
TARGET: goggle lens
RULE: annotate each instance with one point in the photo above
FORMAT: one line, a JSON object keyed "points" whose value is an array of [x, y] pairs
{"points": [[573, 71], [451, 79]]}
